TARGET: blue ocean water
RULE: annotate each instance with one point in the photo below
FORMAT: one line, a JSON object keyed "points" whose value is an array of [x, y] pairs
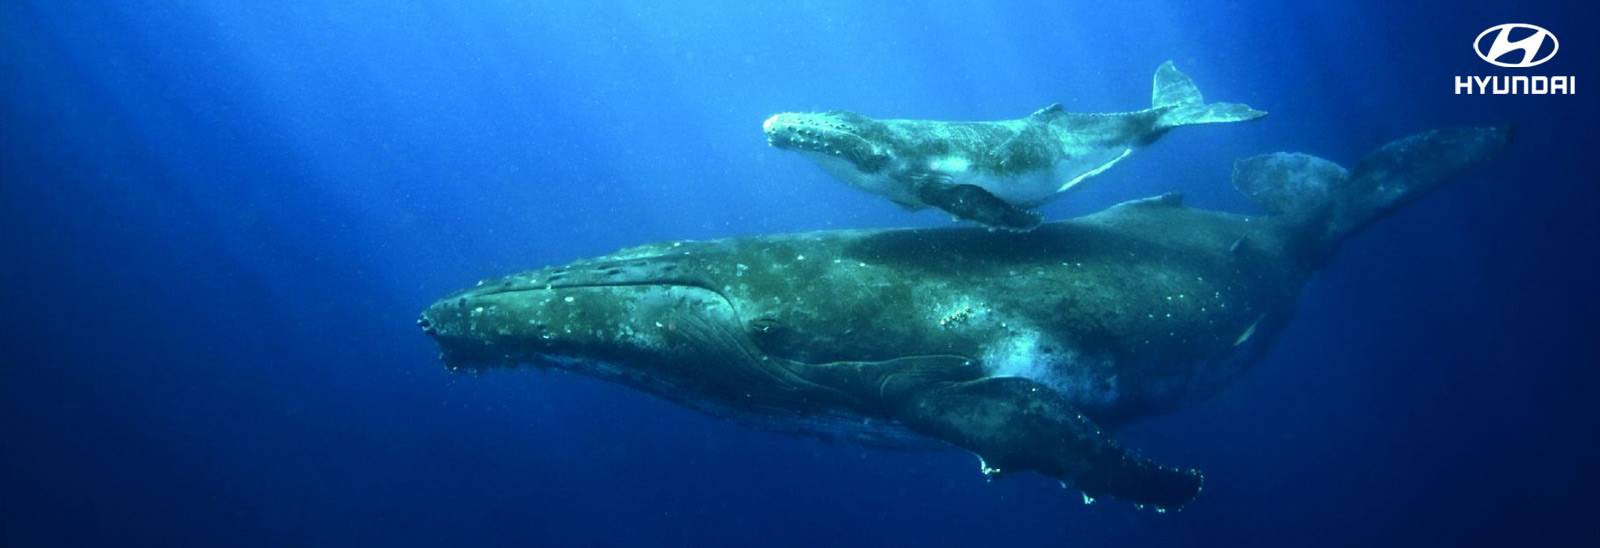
{"points": [[218, 222]]}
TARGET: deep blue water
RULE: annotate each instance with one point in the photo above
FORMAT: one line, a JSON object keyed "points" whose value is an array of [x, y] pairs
{"points": [[219, 220]]}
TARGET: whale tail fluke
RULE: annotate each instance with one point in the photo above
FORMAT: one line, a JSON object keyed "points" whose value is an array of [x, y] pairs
{"points": [[1176, 93], [1319, 193]]}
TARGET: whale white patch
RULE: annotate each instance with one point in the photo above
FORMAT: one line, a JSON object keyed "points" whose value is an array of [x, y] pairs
{"points": [[1033, 355], [1035, 187], [950, 165], [1024, 190], [1018, 356]]}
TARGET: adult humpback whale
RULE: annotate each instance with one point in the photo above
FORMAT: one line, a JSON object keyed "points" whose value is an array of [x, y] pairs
{"points": [[991, 172], [1026, 349]]}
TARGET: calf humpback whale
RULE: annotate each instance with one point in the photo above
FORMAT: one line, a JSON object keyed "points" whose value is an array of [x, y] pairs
{"points": [[1026, 349], [991, 173]]}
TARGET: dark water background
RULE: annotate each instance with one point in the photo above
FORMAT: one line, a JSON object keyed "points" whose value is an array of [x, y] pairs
{"points": [[218, 221]]}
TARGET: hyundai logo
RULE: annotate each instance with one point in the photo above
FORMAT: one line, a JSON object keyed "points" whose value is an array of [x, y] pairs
{"points": [[1530, 46]]}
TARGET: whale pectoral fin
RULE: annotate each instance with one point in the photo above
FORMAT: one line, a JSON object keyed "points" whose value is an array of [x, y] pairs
{"points": [[971, 203], [1018, 424], [908, 206], [1073, 182]]}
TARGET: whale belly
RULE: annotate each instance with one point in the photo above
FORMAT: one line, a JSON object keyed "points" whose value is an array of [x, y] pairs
{"points": [[883, 183], [1024, 190], [1036, 187]]}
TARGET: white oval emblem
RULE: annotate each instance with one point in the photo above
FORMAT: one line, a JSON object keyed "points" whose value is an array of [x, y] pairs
{"points": [[1529, 46]]}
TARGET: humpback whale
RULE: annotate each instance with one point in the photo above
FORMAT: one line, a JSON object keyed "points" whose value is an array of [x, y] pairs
{"points": [[992, 173], [1027, 349]]}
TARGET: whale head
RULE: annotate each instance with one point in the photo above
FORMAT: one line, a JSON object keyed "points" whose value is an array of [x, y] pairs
{"points": [[839, 134], [588, 316], [655, 318]]}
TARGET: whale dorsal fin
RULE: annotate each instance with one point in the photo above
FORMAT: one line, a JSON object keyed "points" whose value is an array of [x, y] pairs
{"points": [[1046, 114]]}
